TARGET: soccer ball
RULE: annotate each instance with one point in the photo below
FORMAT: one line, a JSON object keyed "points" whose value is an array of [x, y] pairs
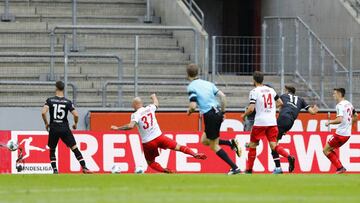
{"points": [[139, 170], [116, 169], [12, 145]]}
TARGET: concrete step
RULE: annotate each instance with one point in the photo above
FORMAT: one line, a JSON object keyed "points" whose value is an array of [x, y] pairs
{"points": [[66, 10], [101, 20]]}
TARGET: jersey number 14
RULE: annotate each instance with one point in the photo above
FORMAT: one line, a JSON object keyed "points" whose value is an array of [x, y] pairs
{"points": [[268, 102]]}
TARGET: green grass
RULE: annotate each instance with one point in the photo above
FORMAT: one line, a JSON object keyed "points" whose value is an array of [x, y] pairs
{"points": [[179, 188]]}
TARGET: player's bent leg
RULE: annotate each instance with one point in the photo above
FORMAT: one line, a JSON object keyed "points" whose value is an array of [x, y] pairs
{"points": [[53, 161], [276, 156], [204, 140], [251, 157], [214, 145], [157, 167], [80, 158], [330, 153], [187, 150], [280, 150]]}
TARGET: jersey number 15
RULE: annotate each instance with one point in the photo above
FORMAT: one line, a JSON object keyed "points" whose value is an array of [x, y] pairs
{"points": [[59, 112]]}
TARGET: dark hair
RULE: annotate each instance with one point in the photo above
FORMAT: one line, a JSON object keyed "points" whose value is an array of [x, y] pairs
{"points": [[341, 90], [192, 70], [258, 77], [290, 89], [60, 85]]}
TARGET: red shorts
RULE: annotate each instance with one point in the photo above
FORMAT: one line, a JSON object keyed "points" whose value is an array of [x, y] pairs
{"points": [[337, 141], [151, 149], [257, 132]]}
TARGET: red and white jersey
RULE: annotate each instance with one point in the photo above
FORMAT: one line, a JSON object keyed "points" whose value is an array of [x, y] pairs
{"points": [[265, 106], [146, 123], [344, 109]]}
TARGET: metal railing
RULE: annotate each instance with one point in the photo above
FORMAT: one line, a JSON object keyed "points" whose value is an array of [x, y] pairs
{"points": [[355, 4], [307, 57], [195, 10], [53, 32]]}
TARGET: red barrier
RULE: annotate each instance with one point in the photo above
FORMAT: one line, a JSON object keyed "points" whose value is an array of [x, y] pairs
{"points": [[180, 121], [103, 150]]}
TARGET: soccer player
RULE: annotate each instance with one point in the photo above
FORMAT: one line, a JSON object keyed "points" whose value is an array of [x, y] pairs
{"points": [[203, 93], [346, 116], [151, 135], [58, 107], [289, 112], [264, 100]]}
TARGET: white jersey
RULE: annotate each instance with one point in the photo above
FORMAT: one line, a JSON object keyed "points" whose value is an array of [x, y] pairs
{"points": [[346, 110], [264, 99], [146, 123]]}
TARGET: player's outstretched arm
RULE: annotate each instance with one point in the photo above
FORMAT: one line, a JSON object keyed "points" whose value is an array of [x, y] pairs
{"points": [[128, 126], [155, 100], [338, 120], [76, 118], [279, 103], [44, 111], [313, 110], [249, 110], [223, 101]]}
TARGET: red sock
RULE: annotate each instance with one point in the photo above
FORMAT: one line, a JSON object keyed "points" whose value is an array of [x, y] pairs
{"points": [[281, 151], [187, 150], [156, 166], [251, 158], [334, 160]]}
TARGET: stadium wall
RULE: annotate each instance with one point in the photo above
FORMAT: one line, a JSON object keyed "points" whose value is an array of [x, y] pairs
{"points": [[103, 150]]}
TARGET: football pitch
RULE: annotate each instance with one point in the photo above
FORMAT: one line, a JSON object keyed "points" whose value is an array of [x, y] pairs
{"points": [[179, 188]]}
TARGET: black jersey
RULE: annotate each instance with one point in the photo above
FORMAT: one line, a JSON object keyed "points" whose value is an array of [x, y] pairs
{"points": [[292, 106], [58, 109]]}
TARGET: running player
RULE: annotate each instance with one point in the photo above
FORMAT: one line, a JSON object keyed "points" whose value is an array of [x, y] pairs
{"points": [[287, 116], [262, 99], [346, 116], [151, 135], [203, 93], [58, 128]]}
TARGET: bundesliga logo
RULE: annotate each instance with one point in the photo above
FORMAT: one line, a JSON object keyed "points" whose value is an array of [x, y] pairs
{"points": [[35, 152]]}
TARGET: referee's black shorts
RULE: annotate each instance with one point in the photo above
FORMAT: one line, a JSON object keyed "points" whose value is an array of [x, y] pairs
{"points": [[62, 132], [284, 125], [213, 120]]}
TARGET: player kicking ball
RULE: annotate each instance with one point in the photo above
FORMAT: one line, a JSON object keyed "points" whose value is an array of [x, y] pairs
{"points": [[264, 100], [151, 135], [346, 116], [58, 128], [289, 112]]}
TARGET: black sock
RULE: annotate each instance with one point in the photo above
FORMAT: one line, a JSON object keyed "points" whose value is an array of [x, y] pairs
{"points": [[276, 158], [222, 154], [53, 159], [225, 142], [79, 157]]}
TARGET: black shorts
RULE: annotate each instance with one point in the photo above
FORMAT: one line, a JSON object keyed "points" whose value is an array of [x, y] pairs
{"points": [[213, 120], [60, 132], [284, 125]]}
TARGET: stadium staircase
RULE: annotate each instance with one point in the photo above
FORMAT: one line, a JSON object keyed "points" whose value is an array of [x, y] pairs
{"points": [[162, 58]]}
